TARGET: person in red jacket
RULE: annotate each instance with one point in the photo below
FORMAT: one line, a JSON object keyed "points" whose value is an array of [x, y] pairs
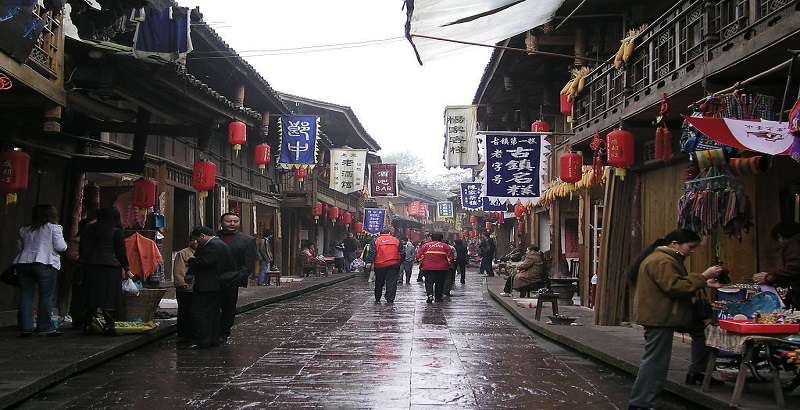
{"points": [[385, 255], [434, 259]]}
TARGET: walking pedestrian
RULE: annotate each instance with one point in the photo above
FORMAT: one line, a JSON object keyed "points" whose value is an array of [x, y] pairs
{"points": [[105, 263], [212, 258], [37, 265], [461, 259], [183, 290], [487, 250], [264, 255], [450, 278], [663, 291], [408, 263], [434, 257], [351, 247], [337, 249], [70, 301], [385, 255], [426, 240], [243, 248]]}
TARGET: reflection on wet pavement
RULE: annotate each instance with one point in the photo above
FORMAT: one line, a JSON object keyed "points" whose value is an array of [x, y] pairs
{"points": [[338, 349]]}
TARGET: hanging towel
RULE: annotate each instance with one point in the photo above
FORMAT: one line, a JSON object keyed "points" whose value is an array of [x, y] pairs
{"points": [[163, 34], [143, 255]]}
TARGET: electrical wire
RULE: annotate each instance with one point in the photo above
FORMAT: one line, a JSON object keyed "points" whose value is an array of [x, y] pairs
{"points": [[199, 55]]}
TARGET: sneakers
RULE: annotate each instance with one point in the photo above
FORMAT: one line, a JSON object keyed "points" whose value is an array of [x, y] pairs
{"points": [[504, 294], [430, 299], [66, 319]]}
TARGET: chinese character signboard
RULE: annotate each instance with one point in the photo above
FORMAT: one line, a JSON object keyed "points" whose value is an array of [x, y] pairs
{"points": [[460, 144], [471, 195], [383, 179], [347, 169], [423, 210], [444, 209], [373, 220], [515, 164], [298, 140], [412, 208]]}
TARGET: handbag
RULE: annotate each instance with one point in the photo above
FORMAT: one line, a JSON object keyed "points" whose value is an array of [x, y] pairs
{"points": [[10, 276], [232, 277]]}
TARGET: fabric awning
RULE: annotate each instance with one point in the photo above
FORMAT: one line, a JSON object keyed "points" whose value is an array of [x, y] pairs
{"points": [[475, 21]]}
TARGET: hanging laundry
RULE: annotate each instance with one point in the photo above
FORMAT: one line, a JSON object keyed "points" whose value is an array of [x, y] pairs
{"points": [[163, 34], [143, 255]]}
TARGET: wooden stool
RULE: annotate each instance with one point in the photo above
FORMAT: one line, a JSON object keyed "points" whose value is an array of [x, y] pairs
{"points": [[274, 274], [546, 297]]}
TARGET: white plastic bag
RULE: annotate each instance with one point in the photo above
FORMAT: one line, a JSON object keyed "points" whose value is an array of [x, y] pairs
{"points": [[129, 287]]}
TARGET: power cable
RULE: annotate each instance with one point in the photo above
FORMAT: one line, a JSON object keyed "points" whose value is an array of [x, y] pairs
{"points": [[198, 55]]}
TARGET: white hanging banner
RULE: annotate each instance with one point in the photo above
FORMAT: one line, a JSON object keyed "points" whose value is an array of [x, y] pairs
{"points": [[347, 169], [460, 142]]}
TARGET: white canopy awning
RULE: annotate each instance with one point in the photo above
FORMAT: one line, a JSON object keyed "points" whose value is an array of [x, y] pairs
{"points": [[474, 21]]}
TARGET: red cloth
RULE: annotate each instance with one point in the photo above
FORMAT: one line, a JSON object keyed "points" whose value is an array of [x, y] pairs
{"points": [[435, 256], [143, 255]]}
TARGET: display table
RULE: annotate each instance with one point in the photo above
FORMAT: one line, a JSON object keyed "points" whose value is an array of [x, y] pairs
{"points": [[745, 345]]}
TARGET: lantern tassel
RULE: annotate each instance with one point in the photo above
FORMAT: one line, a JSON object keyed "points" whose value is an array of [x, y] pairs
{"points": [[11, 198], [621, 173]]}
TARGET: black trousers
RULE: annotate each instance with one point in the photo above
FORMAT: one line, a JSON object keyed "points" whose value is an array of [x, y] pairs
{"points": [[228, 296], [205, 318], [434, 283], [449, 280], [461, 269], [486, 266], [184, 315]]}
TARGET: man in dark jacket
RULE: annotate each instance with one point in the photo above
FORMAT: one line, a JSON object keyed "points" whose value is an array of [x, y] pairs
{"points": [[211, 258], [351, 247], [243, 248], [787, 234], [487, 250]]}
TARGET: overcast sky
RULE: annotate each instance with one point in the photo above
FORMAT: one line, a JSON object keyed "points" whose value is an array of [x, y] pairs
{"points": [[399, 102]]}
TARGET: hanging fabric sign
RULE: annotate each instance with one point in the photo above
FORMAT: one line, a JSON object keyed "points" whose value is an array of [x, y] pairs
{"points": [[460, 137], [493, 205], [373, 220], [444, 209], [515, 165], [163, 33], [412, 208], [298, 135], [423, 210], [471, 195], [347, 169], [383, 179], [769, 137]]}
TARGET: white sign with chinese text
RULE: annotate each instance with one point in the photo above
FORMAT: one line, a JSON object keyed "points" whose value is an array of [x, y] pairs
{"points": [[460, 144], [347, 169]]}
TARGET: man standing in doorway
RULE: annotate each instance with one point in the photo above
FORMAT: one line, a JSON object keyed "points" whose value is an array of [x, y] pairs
{"points": [[487, 250], [243, 248], [264, 255], [385, 255], [408, 262], [351, 247]]}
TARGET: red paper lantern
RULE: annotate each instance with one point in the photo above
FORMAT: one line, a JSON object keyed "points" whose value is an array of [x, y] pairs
{"points": [[237, 135], [348, 218], [144, 194], [499, 218], [203, 177], [540, 126], [91, 197], [570, 169], [620, 151], [300, 173], [340, 219], [519, 210], [473, 219], [488, 226], [408, 231], [262, 153], [14, 173], [566, 105], [473, 234], [333, 213], [520, 227], [316, 212], [391, 230], [358, 227]]}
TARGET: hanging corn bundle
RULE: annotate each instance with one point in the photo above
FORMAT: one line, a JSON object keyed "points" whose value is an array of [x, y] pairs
{"points": [[575, 85], [626, 48]]}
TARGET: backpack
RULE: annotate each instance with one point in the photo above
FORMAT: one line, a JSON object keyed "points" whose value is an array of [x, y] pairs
{"points": [[387, 251]]}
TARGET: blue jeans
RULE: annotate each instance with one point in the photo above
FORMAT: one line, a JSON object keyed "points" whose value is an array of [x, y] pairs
{"points": [[654, 367], [262, 273], [30, 275]]}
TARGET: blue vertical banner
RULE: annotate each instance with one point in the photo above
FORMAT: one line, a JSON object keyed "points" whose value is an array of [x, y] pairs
{"points": [[494, 205], [515, 166], [471, 195], [299, 136], [373, 220], [444, 209]]}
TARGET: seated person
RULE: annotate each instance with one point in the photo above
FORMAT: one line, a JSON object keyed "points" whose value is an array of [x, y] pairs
{"points": [[530, 273], [309, 259], [515, 255]]}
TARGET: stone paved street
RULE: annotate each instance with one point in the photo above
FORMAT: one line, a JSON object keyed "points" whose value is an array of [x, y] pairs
{"points": [[337, 348]]}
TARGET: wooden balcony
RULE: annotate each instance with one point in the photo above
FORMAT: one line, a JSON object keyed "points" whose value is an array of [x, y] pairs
{"points": [[691, 42], [312, 189]]}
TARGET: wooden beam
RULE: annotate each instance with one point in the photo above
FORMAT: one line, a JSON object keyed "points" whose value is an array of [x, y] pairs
{"points": [[169, 130], [94, 164], [30, 78]]}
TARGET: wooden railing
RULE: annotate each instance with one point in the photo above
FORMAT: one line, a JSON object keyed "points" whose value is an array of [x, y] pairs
{"points": [[45, 56]]}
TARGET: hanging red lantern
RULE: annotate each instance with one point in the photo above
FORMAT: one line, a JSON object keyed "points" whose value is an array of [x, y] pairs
{"points": [[473, 234], [300, 173], [91, 197], [316, 212], [566, 105], [144, 194], [570, 167], [408, 231], [348, 218], [473, 219], [262, 153], [333, 213], [488, 226], [203, 177], [358, 227], [237, 135], [14, 173], [519, 210], [520, 227], [499, 218], [391, 230], [540, 126], [340, 219], [620, 151]]}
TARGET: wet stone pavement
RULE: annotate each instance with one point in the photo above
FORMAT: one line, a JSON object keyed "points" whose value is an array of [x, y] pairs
{"points": [[336, 348]]}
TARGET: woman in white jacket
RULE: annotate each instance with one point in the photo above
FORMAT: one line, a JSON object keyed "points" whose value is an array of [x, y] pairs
{"points": [[38, 262]]}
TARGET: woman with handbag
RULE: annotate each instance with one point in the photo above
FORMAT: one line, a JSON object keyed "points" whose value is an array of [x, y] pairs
{"points": [[663, 291], [38, 263]]}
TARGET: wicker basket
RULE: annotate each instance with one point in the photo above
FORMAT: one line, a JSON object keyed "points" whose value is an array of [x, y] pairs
{"points": [[141, 307]]}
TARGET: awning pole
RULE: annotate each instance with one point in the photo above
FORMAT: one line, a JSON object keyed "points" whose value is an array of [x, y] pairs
{"points": [[509, 48]]}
